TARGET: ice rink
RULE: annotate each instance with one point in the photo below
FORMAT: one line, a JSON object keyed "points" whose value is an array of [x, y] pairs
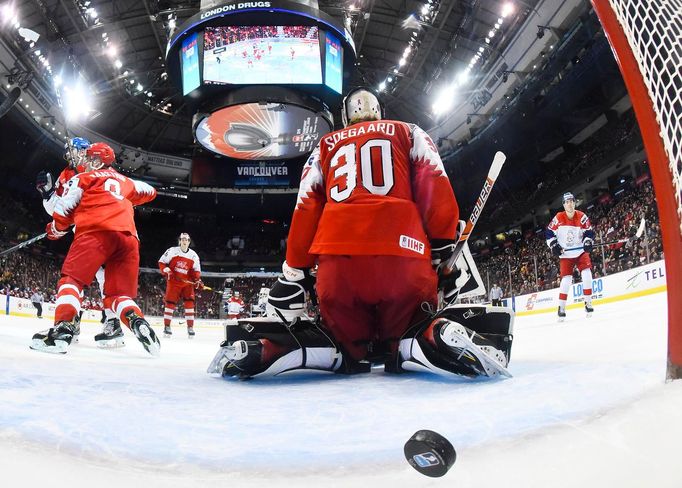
{"points": [[588, 406]]}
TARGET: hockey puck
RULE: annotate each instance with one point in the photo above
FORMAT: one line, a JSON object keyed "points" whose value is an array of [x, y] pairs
{"points": [[430, 453]]}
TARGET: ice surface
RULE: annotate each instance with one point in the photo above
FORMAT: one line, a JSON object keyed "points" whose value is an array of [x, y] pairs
{"points": [[587, 406]]}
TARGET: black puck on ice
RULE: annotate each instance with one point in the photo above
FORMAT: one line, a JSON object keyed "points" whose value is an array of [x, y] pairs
{"points": [[430, 453]]}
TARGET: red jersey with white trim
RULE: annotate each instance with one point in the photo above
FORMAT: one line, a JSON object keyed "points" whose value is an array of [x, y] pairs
{"points": [[374, 188], [185, 266], [101, 200], [569, 232]]}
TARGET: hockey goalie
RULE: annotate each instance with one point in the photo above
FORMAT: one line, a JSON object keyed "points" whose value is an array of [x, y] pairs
{"points": [[374, 224]]}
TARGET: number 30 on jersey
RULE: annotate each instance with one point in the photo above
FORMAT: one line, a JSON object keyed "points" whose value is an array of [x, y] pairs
{"points": [[344, 163]]}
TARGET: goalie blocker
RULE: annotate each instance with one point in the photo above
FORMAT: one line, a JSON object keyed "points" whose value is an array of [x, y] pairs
{"points": [[467, 340]]}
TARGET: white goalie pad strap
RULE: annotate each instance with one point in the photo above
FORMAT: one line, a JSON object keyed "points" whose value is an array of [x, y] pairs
{"points": [[323, 358]]}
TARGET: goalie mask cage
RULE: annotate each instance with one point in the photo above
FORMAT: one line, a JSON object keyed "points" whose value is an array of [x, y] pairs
{"points": [[646, 38]]}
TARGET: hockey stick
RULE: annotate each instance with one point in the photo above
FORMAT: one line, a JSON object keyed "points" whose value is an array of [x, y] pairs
{"points": [[207, 288], [493, 173], [23, 244], [638, 234]]}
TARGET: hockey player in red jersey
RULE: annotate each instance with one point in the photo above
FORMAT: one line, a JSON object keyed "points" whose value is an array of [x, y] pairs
{"points": [[181, 268], [570, 229], [376, 212], [99, 203], [112, 334]]}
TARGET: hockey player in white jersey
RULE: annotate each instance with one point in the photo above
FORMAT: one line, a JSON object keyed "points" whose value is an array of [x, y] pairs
{"points": [[567, 231]]}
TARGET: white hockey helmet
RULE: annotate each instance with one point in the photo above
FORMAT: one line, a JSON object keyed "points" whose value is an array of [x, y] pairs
{"points": [[184, 235], [361, 105]]}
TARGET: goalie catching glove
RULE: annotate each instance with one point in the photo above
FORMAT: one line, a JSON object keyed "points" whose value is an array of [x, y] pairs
{"points": [[287, 295]]}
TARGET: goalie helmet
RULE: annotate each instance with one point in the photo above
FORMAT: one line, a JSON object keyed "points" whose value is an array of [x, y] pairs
{"points": [[98, 156], [361, 105]]}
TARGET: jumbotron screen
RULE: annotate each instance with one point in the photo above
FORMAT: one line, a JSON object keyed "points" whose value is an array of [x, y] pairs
{"points": [[260, 54]]}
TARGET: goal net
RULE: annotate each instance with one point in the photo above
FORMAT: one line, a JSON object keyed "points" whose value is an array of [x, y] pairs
{"points": [[646, 38]]}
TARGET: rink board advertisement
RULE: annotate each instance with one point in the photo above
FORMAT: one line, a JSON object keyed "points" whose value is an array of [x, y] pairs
{"points": [[640, 281]]}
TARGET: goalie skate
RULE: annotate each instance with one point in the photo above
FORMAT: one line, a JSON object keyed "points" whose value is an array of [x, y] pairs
{"points": [[112, 335], [486, 360]]}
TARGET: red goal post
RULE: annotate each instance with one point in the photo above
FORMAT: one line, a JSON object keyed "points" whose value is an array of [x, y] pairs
{"points": [[646, 38]]}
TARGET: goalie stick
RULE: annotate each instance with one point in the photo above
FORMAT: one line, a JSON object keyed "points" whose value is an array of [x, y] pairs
{"points": [[638, 234], [23, 244], [493, 173]]}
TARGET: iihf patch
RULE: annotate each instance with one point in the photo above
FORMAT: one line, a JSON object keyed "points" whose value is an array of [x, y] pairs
{"points": [[411, 244]]}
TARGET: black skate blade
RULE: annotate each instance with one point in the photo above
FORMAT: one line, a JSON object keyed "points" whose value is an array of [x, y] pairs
{"points": [[430, 453]]}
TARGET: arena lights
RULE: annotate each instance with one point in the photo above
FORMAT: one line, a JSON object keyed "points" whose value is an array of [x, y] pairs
{"points": [[507, 9], [77, 101], [118, 64]]}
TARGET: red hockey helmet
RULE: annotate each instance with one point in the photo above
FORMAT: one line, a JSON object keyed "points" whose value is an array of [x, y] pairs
{"points": [[98, 155]]}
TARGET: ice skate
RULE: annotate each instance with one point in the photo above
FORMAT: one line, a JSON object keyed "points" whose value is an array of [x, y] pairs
{"points": [[588, 310], [144, 333], [480, 356], [240, 358], [190, 331], [561, 314], [167, 332], [111, 336], [55, 340]]}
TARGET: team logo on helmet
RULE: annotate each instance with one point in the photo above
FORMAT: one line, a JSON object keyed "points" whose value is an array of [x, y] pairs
{"points": [[361, 105]]}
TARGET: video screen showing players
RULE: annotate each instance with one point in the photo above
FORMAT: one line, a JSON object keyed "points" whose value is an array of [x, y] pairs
{"points": [[262, 55]]}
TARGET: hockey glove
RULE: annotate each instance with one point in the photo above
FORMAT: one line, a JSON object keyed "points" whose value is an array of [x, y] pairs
{"points": [[44, 184], [588, 244], [166, 272], [556, 248], [300, 276], [441, 250], [53, 233], [199, 285]]}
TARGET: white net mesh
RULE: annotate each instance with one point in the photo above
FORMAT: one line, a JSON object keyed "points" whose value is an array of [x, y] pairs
{"points": [[654, 31]]}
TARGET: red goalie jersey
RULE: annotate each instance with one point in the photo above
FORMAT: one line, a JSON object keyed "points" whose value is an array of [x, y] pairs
{"points": [[101, 200], [375, 188]]}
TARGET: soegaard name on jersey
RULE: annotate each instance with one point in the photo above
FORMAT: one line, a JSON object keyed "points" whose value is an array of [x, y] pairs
{"points": [[384, 127]]}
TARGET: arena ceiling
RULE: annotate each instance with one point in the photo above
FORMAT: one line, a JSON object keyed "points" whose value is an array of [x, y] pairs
{"points": [[119, 47]]}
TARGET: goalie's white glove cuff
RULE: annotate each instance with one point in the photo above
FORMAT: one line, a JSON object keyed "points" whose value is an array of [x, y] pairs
{"points": [[292, 274]]}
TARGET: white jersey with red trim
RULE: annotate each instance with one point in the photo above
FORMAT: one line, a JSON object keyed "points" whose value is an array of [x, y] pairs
{"points": [[569, 232], [235, 305], [185, 266]]}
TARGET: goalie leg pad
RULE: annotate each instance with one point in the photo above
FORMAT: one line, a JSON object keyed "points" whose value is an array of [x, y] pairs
{"points": [[303, 346]]}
